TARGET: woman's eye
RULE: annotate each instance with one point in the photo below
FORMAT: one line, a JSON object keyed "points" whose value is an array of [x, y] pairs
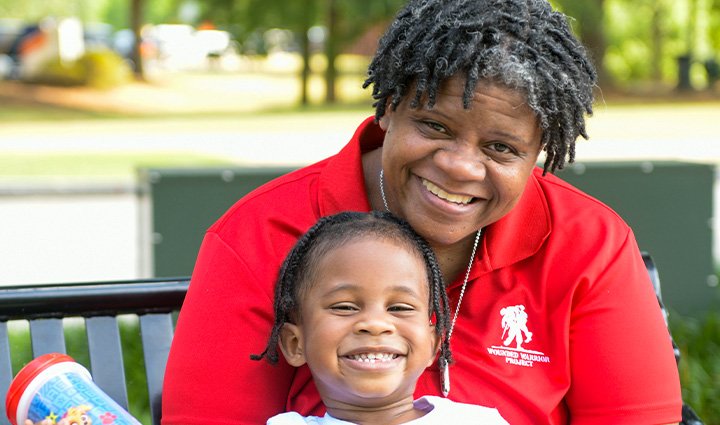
{"points": [[432, 125], [501, 148]]}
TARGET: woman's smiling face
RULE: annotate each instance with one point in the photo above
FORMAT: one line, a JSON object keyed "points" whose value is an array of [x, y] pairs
{"points": [[450, 171]]}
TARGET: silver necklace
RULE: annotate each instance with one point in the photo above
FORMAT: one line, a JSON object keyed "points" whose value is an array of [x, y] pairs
{"points": [[444, 367]]}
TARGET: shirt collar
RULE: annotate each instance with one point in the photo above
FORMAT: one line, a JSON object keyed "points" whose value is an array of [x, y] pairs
{"points": [[519, 234], [342, 181]]}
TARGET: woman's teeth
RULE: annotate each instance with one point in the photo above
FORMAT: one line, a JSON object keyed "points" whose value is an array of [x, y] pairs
{"points": [[373, 357], [457, 199]]}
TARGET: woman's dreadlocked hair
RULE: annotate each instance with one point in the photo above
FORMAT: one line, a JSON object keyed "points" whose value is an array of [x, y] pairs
{"points": [[301, 266], [522, 44]]}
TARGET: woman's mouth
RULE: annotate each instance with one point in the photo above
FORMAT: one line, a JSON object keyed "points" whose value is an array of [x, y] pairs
{"points": [[442, 194]]}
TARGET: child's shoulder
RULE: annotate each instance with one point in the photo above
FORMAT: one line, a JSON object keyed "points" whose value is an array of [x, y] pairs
{"points": [[448, 410]]}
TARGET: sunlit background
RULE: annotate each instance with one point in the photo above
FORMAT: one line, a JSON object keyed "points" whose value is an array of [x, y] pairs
{"points": [[128, 126]]}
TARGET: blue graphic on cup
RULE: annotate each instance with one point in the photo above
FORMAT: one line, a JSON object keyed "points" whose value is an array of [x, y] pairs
{"points": [[69, 396]]}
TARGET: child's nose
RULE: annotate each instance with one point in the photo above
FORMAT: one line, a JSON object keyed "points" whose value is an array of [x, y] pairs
{"points": [[374, 325]]}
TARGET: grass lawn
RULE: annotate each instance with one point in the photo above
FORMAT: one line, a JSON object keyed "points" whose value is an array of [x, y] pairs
{"points": [[92, 167], [11, 111]]}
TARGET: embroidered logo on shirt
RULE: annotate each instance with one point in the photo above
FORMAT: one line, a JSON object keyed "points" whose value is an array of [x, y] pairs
{"points": [[515, 334]]}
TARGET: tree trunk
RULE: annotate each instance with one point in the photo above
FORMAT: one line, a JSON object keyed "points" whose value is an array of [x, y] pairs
{"points": [[593, 36], [657, 41], [685, 61], [590, 19], [331, 51], [136, 22], [305, 46]]}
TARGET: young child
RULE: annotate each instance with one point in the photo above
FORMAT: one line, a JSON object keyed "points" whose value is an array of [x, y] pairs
{"points": [[360, 299]]}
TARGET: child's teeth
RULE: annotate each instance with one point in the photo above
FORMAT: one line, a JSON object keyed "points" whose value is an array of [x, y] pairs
{"points": [[373, 357]]}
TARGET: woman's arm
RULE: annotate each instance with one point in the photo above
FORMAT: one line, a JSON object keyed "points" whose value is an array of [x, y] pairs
{"points": [[226, 317], [622, 364]]}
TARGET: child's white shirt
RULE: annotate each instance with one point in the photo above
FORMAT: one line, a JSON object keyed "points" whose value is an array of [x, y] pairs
{"points": [[439, 411]]}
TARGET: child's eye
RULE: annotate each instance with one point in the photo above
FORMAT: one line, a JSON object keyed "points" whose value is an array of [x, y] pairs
{"points": [[343, 308], [401, 307]]}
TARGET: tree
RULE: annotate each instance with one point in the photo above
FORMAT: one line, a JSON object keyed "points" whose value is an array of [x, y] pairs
{"points": [[657, 37], [136, 23], [588, 22], [346, 20], [247, 16]]}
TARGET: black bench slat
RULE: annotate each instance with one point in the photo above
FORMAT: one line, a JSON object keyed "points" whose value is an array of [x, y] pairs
{"points": [[157, 333], [6, 373], [106, 361], [47, 336]]}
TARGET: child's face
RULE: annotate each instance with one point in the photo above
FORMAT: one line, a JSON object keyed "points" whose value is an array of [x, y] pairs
{"points": [[370, 299]]}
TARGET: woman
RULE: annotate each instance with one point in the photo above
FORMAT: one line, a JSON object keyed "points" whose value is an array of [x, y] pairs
{"points": [[554, 319]]}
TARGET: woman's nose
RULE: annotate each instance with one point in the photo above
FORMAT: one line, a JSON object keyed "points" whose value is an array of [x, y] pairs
{"points": [[461, 161]]}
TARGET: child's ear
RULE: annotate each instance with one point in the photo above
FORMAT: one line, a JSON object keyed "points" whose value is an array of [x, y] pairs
{"points": [[435, 341], [292, 344]]}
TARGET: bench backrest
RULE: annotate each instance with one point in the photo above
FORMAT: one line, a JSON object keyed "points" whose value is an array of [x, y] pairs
{"points": [[98, 305]]}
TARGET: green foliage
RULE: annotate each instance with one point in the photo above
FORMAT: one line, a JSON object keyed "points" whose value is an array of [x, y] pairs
{"points": [[699, 342], [105, 69], [59, 73], [714, 27], [99, 69]]}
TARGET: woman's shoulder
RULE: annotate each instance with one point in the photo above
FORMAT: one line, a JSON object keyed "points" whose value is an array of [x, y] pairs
{"points": [[290, 194], [567, 203]]}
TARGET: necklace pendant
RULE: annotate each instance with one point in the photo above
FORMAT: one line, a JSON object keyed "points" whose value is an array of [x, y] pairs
{"points": [[444, 377]]}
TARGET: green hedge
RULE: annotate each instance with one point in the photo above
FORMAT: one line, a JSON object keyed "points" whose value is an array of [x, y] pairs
{"points": [[699, 343], [99, 69]]}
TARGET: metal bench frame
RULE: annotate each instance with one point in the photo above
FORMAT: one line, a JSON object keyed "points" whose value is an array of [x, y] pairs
{"points": [[99, 304]]}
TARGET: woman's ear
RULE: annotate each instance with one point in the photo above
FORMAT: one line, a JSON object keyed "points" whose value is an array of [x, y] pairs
{"points": [[292, 344], [384, 121]]}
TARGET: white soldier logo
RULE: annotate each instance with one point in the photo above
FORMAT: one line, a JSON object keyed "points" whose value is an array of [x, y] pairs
{"points": [[514, 324], [516, 333]]}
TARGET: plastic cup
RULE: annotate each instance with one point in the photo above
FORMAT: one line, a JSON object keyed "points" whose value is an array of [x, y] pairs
{"points": [[53, 386]]}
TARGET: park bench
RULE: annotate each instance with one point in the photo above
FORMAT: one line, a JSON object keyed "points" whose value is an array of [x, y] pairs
{"points": [[100, 304]]}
